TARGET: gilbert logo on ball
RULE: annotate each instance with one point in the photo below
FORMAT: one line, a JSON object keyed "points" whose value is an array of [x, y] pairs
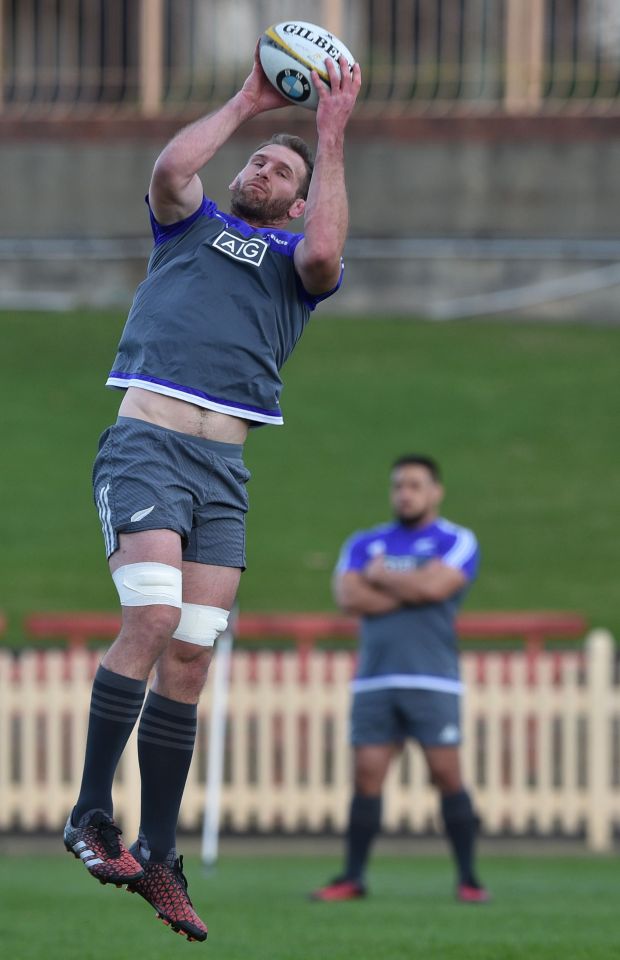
{"points": [[290, 51]]}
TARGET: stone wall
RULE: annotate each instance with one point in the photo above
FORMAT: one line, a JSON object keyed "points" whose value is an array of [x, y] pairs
{"points": [[482, 179]]}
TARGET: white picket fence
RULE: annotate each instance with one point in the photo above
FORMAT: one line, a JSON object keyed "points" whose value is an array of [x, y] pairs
{"points": [[541, 750]]}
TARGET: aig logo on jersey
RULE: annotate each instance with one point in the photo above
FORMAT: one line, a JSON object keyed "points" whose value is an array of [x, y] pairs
{"points": [[248, 251]]}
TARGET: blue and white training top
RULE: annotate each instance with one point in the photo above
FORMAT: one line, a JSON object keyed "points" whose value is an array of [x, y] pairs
{"points": [[415, 646], [217, 316]]}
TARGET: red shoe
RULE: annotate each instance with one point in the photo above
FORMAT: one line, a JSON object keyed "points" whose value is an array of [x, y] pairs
{"points": [[470, 893], [96, 842], [164, 886], [340, 889]]}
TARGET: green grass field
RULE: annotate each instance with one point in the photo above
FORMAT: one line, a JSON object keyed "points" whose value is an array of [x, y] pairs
{"points": [[522, 416], [543, 909]]}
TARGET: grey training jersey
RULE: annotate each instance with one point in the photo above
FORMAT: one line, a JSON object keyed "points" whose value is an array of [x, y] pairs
{"points": [[217, 316], [415, 646]]}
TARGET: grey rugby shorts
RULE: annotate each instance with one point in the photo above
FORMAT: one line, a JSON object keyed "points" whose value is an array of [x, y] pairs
{"points": [[394, 715], [146, 477]]}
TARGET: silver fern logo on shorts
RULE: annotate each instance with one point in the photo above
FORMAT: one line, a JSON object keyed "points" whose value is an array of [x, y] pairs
{"points": [[449, 734], [141, 514]]}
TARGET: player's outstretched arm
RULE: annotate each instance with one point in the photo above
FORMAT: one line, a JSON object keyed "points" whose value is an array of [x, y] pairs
{"points": [[326, 216], [176, 190], [354, 595]]}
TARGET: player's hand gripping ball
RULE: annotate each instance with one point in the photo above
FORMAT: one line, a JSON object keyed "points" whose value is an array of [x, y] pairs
{"points": [[290, 51]]}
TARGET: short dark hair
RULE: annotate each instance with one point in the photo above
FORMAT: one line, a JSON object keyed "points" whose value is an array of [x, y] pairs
{"points": [[300, 147], [419, 460]]}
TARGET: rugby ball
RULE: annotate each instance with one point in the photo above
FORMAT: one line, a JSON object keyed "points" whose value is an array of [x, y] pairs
{"points": [[290, 51]]}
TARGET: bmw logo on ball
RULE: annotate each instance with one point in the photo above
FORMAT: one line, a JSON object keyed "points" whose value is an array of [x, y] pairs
{"points": [[293, 85], [290, 51]]}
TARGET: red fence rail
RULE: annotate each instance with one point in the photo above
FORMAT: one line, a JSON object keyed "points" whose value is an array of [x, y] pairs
{"points": [[533, 628]]}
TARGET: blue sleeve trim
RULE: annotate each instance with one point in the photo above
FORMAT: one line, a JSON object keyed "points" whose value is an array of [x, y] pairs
{"points": [[352, 557], [311, 300], [461, 551], [164, 231]]}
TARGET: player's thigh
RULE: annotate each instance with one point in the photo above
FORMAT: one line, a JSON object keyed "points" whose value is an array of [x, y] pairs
{"points": [[210, 585], [147, 546], [444, 766], [370, 766]]}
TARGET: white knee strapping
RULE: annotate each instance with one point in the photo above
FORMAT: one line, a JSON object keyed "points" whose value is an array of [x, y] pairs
{"points": [[144, 584], [201, 625]]}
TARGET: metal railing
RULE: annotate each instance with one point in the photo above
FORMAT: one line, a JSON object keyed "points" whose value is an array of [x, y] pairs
{"points": [[533, 628], [163, 57]]}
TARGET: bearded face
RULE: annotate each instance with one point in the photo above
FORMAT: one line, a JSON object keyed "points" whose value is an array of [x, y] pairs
{"points": [[415, 494], [253, 202]]}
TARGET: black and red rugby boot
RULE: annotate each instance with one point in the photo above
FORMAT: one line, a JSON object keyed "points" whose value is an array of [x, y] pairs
{"points": [[339, 889], [95, 840], [472, 893], [164, 886]]}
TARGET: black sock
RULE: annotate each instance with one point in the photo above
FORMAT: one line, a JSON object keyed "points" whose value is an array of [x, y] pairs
{"points": [[461, 827], [166, 738], [364, 825], [114, 708]]}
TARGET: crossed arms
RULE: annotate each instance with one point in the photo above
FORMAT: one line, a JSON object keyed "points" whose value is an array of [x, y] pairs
{"points": [[378, 589]]}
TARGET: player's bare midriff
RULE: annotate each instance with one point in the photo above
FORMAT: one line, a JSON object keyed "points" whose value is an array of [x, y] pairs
{"points": [[180, 415]]}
